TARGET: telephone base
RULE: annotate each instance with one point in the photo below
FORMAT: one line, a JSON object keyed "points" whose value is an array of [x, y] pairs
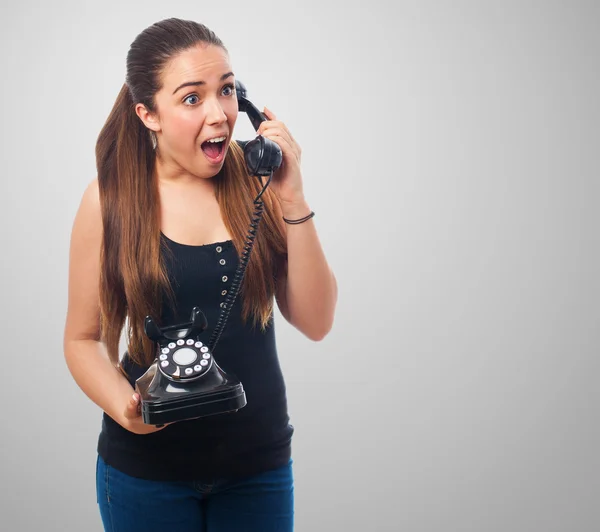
{"points": [[193, 406], [163, 400]]}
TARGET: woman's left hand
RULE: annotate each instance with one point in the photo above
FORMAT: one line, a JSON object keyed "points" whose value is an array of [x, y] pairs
{"points": [[287, 179]]}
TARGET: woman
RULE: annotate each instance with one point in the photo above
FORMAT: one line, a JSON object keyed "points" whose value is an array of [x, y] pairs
{"points": [[159, 232]]}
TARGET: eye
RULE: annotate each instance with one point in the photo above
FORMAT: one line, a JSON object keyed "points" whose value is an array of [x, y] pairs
{"points": [[228, 86], [190, 96]]}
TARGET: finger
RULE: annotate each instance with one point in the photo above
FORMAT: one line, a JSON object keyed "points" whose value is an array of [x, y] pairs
{"points": [[276, 124], [276, 129], [287, 148], [263, 126], [269, 114], [284, 142], [132, 406]]}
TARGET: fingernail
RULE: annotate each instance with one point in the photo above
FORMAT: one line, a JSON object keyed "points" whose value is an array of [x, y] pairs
{"points": [[134, 397]]}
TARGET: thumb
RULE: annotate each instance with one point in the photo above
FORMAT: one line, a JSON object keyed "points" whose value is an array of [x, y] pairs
{"points": [[131, 411]]}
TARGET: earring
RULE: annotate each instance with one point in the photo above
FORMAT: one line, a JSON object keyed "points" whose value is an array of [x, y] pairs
{"points": [[153, 139]]}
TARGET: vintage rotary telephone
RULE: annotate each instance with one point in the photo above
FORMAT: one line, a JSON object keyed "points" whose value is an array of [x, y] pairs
{"points": [[185, 381]]}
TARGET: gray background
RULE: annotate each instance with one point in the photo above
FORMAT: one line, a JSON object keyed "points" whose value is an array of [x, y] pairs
{"points": [[450, 151]]}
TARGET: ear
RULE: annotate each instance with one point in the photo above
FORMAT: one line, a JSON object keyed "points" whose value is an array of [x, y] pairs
{"points": [[148, 118]]}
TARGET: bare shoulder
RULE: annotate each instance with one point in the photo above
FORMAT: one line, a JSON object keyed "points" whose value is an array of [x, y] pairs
{"points": [[87, 225], [91, 196], [89, 204]]}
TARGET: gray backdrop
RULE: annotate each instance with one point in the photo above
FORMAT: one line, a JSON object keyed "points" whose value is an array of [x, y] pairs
{"points": [[450, 152]]}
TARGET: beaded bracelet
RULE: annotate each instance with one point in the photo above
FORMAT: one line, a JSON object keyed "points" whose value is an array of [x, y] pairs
{"points": [[300, 220]]}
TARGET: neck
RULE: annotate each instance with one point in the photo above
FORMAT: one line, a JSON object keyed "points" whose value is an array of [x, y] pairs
{"points": [[171, 174]]}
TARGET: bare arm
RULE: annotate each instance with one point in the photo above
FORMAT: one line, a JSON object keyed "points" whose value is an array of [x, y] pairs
{"points": [[307, 291], [87, 357]]}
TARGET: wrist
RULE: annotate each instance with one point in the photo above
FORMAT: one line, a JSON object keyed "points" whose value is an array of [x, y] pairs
{"points": [[293, 210]]}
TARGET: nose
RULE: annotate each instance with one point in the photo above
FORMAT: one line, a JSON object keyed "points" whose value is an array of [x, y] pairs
{"points": [[215, 114]]}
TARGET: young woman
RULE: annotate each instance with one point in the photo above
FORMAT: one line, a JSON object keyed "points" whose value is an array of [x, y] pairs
{"points": [[160, 231]]}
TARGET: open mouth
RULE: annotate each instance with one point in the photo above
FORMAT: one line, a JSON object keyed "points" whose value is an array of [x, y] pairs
{"points": [[214, 151]]}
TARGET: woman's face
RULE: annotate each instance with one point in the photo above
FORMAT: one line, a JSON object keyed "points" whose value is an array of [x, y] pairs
{"points": [[197, 101]]}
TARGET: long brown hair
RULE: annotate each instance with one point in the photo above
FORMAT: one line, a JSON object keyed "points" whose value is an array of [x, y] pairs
{"points": [[133, 277]]}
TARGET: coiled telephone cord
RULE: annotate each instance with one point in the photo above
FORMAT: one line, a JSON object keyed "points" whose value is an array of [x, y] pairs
{"points": [[236, 284]]}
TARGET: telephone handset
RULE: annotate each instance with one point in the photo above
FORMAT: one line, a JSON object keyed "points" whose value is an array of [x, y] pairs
{"points": [[262, 155], [184, 381]]}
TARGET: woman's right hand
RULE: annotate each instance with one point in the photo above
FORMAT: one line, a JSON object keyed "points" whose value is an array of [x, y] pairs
{"points": [[133, 421]]}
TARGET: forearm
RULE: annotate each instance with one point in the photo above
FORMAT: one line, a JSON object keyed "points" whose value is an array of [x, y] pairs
{"points": [[93, 372], [311, 288]]}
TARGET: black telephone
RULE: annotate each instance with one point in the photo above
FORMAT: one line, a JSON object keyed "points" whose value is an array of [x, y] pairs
{"points": [[185, 381]]}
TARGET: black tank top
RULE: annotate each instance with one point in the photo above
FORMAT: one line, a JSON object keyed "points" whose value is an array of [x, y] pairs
{"points": [[258, 436]]}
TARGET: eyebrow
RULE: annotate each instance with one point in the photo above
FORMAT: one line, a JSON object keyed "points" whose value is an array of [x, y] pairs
{"points": [[198, 83]]}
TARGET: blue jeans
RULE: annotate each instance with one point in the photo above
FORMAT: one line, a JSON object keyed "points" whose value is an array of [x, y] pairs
{"points": [[264, 503]]}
